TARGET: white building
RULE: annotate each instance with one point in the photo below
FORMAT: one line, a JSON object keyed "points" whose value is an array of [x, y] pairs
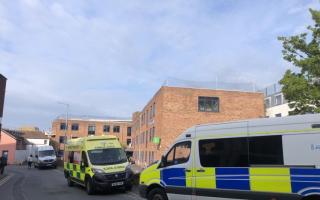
{"points": [[275, 103]]}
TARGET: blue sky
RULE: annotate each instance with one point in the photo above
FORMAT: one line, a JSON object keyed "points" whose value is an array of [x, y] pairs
{"points": [[108, 58]]}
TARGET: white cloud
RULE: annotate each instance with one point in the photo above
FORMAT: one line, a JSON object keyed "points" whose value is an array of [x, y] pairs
{"points": [[108, 58]]}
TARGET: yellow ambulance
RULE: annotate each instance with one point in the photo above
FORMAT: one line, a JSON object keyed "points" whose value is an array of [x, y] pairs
{"points": [[97, 163]]}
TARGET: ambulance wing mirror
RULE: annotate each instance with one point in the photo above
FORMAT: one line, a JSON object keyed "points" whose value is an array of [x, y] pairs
{"points": [[131, 160]]}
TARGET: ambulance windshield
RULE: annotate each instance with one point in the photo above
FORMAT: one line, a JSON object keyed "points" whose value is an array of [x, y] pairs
{"points": [[107, 156]]}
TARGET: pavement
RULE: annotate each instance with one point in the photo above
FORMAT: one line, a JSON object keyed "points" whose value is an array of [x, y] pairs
{"points": [[21, 183]]}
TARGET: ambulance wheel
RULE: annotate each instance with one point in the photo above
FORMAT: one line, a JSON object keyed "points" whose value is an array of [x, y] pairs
{"points": [[157, 194], [90, 187]]}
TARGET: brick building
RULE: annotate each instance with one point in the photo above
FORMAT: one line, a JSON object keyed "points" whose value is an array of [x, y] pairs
{"points": [[84, 126], [174, 109]]}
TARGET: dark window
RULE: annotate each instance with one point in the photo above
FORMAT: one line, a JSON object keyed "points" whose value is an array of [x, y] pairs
{"points": [[129, 131], [208, 104], [106, 128], [116, 129], [230, 152], [62, 126], [75, 127], [91, 129], [266, 150], [179, 154], [61, 139], [278, 115], [128, 142]]}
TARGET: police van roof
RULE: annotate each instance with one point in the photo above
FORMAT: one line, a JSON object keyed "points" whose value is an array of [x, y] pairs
{"points": [[309, 123]]}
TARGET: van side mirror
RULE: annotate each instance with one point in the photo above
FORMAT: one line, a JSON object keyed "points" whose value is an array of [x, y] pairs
{"points": [[82, 164]]}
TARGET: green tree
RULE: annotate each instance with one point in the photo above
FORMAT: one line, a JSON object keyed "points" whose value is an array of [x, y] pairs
{"points": [[302, 87]]}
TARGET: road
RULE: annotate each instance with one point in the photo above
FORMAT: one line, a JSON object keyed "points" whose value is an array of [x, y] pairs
{"points": [[48, 184]]}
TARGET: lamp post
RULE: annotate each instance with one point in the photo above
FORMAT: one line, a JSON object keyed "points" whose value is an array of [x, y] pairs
{"points": [[66, 126]]}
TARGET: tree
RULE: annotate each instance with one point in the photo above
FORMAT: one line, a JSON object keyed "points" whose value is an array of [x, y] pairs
{"points": [[302, 88]]}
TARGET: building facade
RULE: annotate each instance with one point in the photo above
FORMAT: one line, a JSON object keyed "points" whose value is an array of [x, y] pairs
{"points": [[3, 81], [275, 103], [174, 109], [18, 144], [83, 126]]}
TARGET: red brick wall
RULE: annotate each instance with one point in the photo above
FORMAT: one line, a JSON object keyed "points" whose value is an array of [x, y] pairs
{"points": [[177, 110]]}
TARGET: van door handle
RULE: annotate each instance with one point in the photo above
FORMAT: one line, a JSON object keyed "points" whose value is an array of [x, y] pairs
{"points": [[187, 170], [201, 170]]}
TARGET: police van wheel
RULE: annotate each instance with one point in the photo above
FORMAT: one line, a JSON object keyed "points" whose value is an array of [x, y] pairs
{"points": [[90, 187], [70, 182], [157, 194], [311, 198]]}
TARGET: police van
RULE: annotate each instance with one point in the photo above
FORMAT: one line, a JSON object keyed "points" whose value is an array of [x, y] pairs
{"points": [[266, 158], [97, 163]]}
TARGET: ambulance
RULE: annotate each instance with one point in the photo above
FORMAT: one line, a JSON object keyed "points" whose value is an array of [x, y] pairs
{"points": [[97, 163], [265, 158]]}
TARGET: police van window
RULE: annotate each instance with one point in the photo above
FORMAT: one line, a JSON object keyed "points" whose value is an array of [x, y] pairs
{"points": [[266, 150], [170, 157], [229, 152], [179, 154], [182, 153]]}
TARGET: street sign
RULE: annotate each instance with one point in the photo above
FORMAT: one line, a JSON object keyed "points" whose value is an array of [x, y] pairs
{"points": [[156, 140]]}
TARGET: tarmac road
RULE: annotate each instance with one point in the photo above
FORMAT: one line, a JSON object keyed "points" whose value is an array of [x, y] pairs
{"points": [[22, 183]]}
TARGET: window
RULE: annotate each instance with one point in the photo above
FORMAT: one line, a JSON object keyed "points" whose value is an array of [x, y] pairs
{"points": [[154, 110], [128, 142], [61, 139], [147, 119], [75, 127], [179, 154], [230, 152], [266, 150], [62, 126], [208, 104], [116, 129], [129, 131], [278, 99], [106, 128], [45, 141], [278, 115], [91, 129]]}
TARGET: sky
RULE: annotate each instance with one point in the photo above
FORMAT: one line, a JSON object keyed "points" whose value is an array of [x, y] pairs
{"points": [[108, 58]]}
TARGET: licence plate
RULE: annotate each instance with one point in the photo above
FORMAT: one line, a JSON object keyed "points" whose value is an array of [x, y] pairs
{"points": [[117, 183]]}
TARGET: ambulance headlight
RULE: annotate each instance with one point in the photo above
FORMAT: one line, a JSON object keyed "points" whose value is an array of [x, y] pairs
{"points": [[97, 171]]}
